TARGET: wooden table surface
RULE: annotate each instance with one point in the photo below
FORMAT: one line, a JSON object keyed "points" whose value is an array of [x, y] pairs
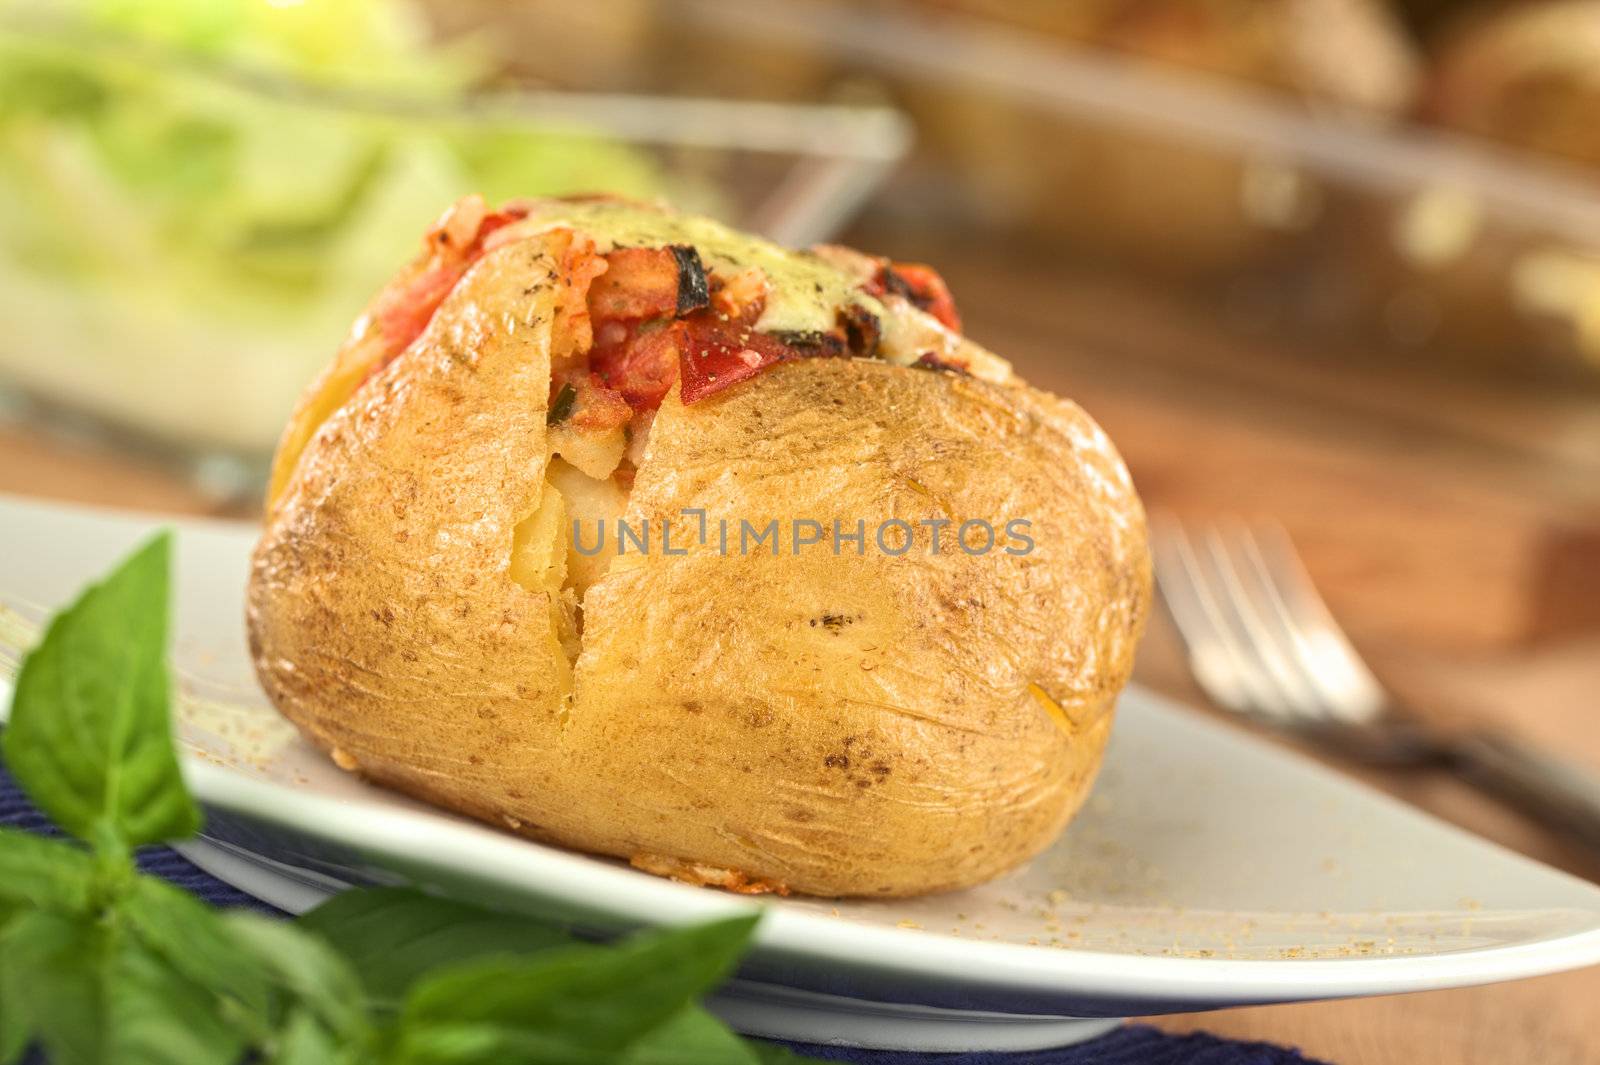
{"points": [[1448, 522]]}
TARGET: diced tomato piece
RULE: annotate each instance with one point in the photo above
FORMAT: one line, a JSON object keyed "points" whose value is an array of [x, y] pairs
{"points": [[404, 309], [638, 283], [580, 267], [714, 354], [495, 220], [705, 351], [920, 284], [641, 364], [930, 292], [929, 361]]}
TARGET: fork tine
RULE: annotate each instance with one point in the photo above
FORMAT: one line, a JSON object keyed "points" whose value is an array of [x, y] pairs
{"points": [[1220, 660], [1251, 598], [1324, 653]]}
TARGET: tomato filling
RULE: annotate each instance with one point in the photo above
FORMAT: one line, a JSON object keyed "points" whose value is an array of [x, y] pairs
{"points": [[920, 284], [645, 318], [582, 398], [404, 309], [648, 335], [714, 353]]}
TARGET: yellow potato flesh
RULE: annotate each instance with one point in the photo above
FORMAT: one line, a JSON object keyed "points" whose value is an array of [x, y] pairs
{"points": [[595, 453], [593, 506]]}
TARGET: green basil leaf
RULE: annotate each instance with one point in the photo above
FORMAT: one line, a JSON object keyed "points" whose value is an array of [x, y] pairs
{"points": [[561, 406], [197, 941], [474, 1044], [693, 1037], [574, 1004], [161, 1017], [89, 739], [94, 996], [394, 936], [15, 1033], [13, 1038], [304, 1041], [50, 874], [49, 982], [309, 971]]}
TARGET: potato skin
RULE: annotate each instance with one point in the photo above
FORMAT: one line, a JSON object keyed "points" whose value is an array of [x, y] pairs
{"points": [[850, 724], [381, 618], [862, 724]]}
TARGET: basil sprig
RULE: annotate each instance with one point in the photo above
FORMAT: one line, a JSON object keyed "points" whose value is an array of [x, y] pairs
{"points": [[102, 965], [89, 740]]}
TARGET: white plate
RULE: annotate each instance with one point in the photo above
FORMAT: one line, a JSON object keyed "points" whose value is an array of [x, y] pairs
{"points": [[1207, 870]]}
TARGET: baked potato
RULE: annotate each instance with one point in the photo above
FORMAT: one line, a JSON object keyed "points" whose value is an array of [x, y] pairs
{"points": [[842, 707]]}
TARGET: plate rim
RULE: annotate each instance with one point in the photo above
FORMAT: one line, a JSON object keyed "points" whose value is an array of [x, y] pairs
{"points": [[444, 839]]}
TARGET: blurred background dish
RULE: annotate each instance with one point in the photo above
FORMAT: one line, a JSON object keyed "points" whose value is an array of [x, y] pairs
{"points": [[195, 198], [208, 190], [192, 200], [1527, 74], [1280, 155], [1108, 185]]}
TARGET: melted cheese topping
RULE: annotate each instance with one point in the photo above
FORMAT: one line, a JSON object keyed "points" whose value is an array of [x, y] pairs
{"points": [[806, 291]]}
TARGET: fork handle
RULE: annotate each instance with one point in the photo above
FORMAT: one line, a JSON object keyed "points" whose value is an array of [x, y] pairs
{"points": [[1558, 792]]}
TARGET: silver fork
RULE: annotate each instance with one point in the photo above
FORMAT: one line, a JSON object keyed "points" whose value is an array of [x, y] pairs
{"points": [[1262, 643]]}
